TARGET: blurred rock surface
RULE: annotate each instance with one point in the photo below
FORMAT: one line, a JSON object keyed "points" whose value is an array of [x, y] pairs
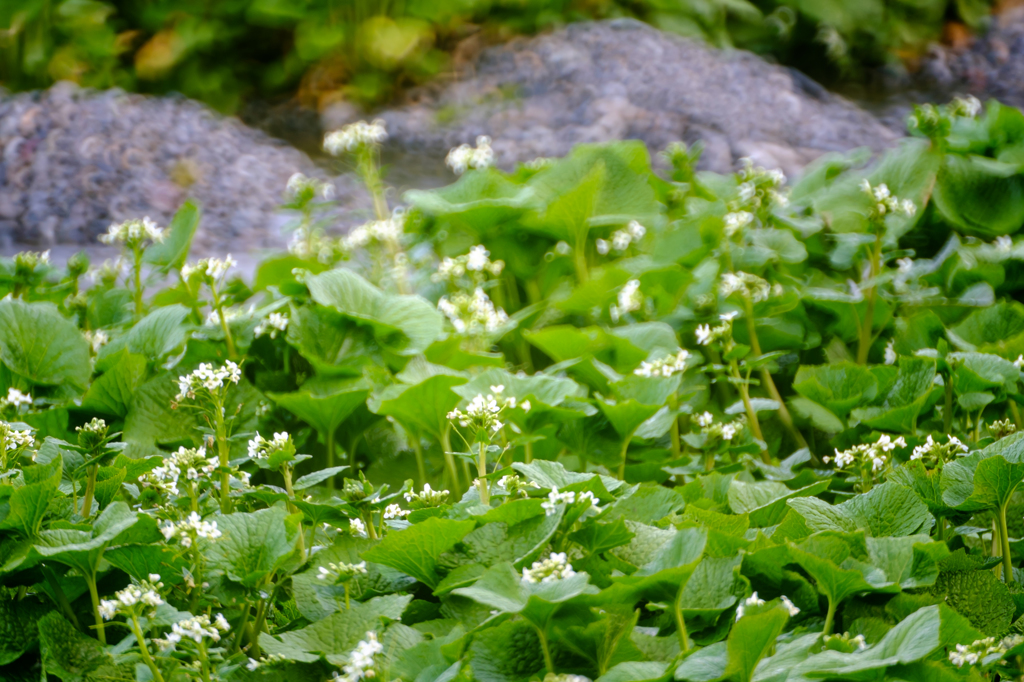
{"points": [[592, 82], [73, 161]]}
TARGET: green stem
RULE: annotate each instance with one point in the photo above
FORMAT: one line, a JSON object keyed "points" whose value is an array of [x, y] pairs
{"points": [[287, 473], [625, 448], [481, 469], [144, 650], [1004, 539], [755, 425], [449, 463], [528, 451], [62, 599], [240, 629], [676, 447], [138, 281], [684, 639], [864, 345], [90, 489], [329, 437], [223, 457], [371, 531], [219, 307], [830, 617], [947, 412], [421, 467], [347, 605], [90, 581], [549, 663], [942, 529]]}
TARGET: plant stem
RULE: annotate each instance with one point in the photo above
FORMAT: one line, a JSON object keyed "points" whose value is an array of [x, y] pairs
{"points": [[137, 276], [755, 425], [347, 605], [769, 383], [219, 307], [864, 344], [481, 468], [625, 447], [829, 617], [287, 473], [90, 581], [329, 437], [947, 412], [449, 462], [240, 629], [421, 467], [62, 599], [1004, 539], [144, 650], [684, 639], [223, 457], [549, 663], [90, 489], [676, 447]]}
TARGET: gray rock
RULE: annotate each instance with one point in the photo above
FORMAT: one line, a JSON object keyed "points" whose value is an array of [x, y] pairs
{"points": [[72, 161], [621, 79]]}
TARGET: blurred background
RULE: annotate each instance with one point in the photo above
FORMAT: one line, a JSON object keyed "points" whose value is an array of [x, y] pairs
{"points": [[439, 72]]}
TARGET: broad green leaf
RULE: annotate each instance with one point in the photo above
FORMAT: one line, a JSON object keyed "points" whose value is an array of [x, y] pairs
{"points": [[837, 387], [764, 502], [750, 639], [985, 479], [905, 400], [72, 656], [887, 509], [980, 196], [112, 393], [18, 633], [171, 253], [415, 550], [509, 652], [423, 406], [41, 345], [27, 505], [83, 549], [324, 403], [253, 546]]}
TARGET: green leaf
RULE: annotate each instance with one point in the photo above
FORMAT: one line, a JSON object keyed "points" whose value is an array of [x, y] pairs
{"points": [[112, 393], [415, 550], [980, 196], [985, 479], [18, 632], [509, 652], [324, 403], [83, 549], [750, 639], [906, 399], [39, 344], [172, 252], [838, 387], [74, 657], [980, 597], [253, 546], [27, 505], [423, 406], [765, 502], [887, 509]]}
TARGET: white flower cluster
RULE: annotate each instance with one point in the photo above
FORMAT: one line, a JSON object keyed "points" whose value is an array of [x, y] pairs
{"points": [[858, 642], [885, 203], [272, 325], [299, 185], [629, 300], [759, 187], [395, 511], [269, 659], [341, 572], [362, 661], [133, 233], [473, 315], [15, 399], [621, 239], [515, 485], [462, 158], [555, 567], [191, 461], [93, 426], [477, 263], [388, 232], [190, 529], [876, 454], [713, 429], [261, 448], [213, 319], [145, 594], [481, 413], [207, 378], [1001, 428], [984, 651], [209, 268], [355, 135], [706, 334], [198, 628], [13, 439], [357, 528], [751, 286], [308, 243], [752, 600], [665, 367], [428, 497], [890, 352], [29, 260], [96, 338], [736, 221], [966, 107], [932, 450], [556, 498]]}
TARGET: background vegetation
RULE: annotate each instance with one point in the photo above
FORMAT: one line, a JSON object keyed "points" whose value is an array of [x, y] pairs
{"points": [[223, 51]]}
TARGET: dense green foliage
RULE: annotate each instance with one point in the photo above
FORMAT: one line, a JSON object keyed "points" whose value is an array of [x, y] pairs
{"points": [[574, 420], [364, 50]]}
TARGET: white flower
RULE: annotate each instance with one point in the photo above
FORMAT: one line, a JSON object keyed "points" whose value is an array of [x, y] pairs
{"points": [[207, 378], [890, 352], [190, 529], [703, 334], [734, 222], [133, 233], [299, 184], [790, 606], [629, 300], [1019, 362], [472, 315], [556, 498], [705, 419], [357, 528], [665, 367], [143, 594], [388, 232], [462, 158], [345, 571], [271, 325], [355, 135], [555, 567], [602, 247], [428, 497], [362, 661], [210, 268], [261, 448], [96, 338], [394, 511], [15, 399], [752, 600]]}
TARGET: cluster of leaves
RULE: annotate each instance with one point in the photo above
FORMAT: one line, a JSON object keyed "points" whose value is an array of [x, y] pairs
{"points": [[695, 427], [365, 50]]}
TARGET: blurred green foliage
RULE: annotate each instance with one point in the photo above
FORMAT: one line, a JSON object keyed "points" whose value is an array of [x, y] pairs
{"points": [[223, 51]]}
